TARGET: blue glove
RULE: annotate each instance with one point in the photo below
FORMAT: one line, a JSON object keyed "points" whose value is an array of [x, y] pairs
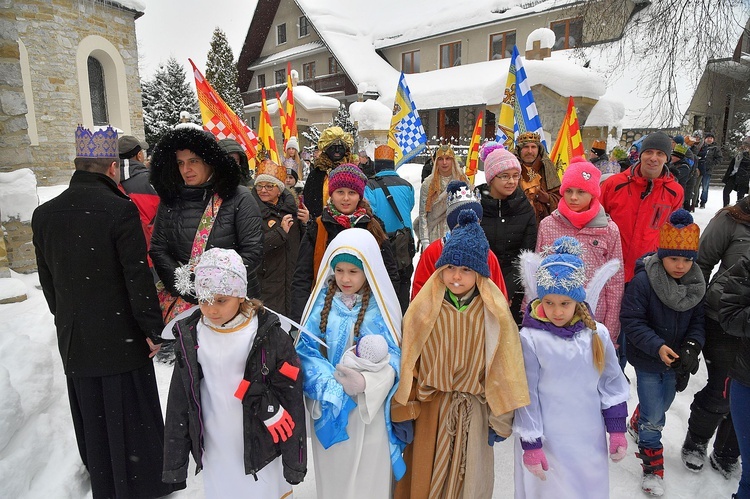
{"points": [[404, 431], [494, 437]]}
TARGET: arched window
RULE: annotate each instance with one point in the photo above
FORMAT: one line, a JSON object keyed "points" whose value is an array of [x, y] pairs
{"points": [[98, 92]]}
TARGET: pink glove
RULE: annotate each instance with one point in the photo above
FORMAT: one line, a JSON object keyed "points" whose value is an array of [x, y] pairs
{"points": [[618, 446], [536, 462], [280, 425]]}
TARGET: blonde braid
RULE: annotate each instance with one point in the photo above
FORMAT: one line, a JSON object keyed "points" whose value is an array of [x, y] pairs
{"points": [[361, 315], [597, 348]]}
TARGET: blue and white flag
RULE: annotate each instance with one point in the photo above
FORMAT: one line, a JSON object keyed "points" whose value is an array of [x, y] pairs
{"points": [[406, 136], [527, 117]]}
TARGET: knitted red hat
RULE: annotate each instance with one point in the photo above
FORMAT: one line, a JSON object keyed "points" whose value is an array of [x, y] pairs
{"points": [[580, 174], [347, 176]]}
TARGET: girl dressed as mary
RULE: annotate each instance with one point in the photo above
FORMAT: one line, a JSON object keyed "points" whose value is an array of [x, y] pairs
{"points": [[350, 354]]}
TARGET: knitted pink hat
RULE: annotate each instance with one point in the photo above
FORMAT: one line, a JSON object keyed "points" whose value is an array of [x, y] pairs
{"points": [[580, 174], [347, 176], [497, 159]]}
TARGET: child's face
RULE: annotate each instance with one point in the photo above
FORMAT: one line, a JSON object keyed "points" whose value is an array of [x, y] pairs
{"points": [[349, 277], [676, 266], [222, 310], [559, 309], [577, 199], [460, 280], [345, 200]]}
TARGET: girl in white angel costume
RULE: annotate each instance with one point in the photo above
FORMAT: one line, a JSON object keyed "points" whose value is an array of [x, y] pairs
{"points": [[577, 389], [355, 450]]}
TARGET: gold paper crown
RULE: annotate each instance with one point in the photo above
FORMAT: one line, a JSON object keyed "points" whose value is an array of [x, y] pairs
{"points": [[100, 144], [599, 144], [673, 238], [444, 150], [384, 152], [268, 167], [527, 137]]}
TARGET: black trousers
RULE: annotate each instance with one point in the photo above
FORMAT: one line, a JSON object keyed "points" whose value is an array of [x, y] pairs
{"points": [[120, 433], [709, 411], [731, 185], [404, 288]]}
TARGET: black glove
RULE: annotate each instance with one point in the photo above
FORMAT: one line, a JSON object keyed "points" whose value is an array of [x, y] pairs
{"points": [[404, 431], [689, 360], [682, 381]]}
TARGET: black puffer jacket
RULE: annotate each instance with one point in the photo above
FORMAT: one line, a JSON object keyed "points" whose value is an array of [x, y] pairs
{"points": [[237, 225], [735, 315], [304, 274], [183, 430], [510, 227], [280, 251]]}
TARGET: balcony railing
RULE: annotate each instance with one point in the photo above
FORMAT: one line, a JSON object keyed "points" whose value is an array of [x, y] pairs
{"points": [[325, 83]]}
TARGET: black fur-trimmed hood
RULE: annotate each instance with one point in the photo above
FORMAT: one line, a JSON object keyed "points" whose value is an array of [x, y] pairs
{"points": [[165, 175]]}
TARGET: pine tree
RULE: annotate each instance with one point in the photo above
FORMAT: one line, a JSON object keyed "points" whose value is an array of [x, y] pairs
{"points": [[343, 120], [313, 136], [164, 97], [221, 71]]}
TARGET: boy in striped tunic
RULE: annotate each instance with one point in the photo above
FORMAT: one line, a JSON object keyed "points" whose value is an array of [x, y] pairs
{"points": [[462, 373]]}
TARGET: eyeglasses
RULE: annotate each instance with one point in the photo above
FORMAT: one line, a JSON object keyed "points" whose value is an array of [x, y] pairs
{"points": [[264, 187], [504, 177]]}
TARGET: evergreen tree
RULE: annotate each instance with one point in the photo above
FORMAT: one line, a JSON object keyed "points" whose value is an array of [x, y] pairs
{"points": [[313, 136], [343, 120], [221, 71], [164, 97]]}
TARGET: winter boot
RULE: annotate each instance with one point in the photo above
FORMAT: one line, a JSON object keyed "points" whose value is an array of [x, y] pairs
{"points": [[694, 452], [726, 466], [633, 423], [652, 482]]}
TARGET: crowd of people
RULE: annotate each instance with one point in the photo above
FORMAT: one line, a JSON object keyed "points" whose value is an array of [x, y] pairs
{"points": [[530, 294]]}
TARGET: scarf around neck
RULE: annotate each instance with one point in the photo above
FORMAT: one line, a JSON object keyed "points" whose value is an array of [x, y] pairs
{"points": [[579, 220], [534, 320], [347, 221], [679, 296]]}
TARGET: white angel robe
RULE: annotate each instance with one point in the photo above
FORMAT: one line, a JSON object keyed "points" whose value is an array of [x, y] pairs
{"points": [[567, 396], [222, 356]]}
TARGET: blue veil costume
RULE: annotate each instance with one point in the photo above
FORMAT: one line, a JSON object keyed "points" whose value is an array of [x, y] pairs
{"points": [[382, 317]]}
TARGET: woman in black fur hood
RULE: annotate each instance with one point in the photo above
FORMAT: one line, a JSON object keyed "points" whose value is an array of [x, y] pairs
{"points": [[188, 167]]}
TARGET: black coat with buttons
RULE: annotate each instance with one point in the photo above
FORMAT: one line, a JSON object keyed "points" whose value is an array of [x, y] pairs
{"points": [[510, 227]]}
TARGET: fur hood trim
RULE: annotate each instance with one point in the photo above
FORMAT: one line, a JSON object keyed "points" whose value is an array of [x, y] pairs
{"points": [[165, 175]]}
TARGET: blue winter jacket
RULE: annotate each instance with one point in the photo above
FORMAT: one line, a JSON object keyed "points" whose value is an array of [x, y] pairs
{"points": [[402, 192], [648, 323]]}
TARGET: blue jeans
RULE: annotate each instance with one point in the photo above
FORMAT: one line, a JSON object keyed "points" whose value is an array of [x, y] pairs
{"points": [[656, 392], [705, 179], [739, 401]]}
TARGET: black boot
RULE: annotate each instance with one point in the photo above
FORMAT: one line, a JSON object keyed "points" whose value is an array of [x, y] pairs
{"points": [[694, 452], [726, 466]]}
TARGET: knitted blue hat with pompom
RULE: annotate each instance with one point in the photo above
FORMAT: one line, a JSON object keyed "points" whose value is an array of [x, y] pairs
{"points": [[561, 272], [467, 245]]}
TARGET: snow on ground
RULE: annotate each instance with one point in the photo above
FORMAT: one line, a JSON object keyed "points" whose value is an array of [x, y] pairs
{"points": [[39, 457]]}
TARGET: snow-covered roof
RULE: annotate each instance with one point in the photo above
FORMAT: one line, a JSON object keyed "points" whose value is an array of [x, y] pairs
{"points": [[303, 96], [136, 5], [415, 22], [306, 49], [371, 115], [484, 82]]}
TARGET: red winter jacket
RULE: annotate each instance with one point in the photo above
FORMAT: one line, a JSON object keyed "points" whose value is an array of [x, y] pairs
{"points": [[640, 207], [426, 267]]}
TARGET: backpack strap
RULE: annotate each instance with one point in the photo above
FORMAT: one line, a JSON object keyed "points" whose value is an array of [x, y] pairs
{"points": [[391, 201]]}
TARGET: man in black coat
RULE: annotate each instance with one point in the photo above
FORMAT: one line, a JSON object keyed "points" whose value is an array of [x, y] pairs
{"points": [[737, 177], [91, 256]]}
